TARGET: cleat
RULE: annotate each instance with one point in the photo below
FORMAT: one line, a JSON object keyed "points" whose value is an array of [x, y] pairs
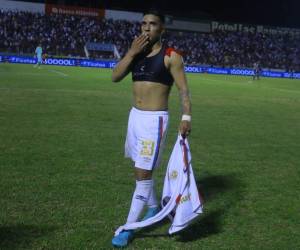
{"points": [[152, 211], [122, 239]]}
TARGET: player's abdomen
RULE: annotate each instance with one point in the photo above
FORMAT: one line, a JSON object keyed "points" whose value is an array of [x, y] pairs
{"points": [[151, 96]]}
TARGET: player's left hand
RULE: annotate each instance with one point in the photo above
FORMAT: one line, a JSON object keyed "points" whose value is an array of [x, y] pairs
{"points": [[185, 128]]}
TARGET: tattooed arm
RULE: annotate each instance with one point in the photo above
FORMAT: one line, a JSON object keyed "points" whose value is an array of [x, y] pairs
{"points": [[177, 71]]}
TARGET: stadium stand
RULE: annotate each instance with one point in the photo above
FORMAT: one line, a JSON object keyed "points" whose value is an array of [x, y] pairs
{"points": [[62, 35]]}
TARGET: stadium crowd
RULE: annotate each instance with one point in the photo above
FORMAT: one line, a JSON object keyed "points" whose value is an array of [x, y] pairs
{"points": [[63, 35]]}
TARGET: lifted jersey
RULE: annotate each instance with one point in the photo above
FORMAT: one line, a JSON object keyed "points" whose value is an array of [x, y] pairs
{"points": [[152, 68]]}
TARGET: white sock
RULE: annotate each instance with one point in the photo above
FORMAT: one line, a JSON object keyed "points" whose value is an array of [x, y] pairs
{"points": [[139, 199], [152, 201]]}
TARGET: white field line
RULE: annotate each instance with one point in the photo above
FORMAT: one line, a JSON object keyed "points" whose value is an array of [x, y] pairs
{"points": [[34, 74], [58, 72], [251, 82], [282, 90], [25, 73], [93, 92], [223, 81]]}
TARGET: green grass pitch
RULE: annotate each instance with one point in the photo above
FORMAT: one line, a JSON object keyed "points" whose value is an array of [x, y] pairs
{"points": [[64, 183]]}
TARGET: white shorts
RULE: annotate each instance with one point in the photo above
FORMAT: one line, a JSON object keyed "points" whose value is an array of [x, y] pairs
{"points": [[145, 138]]}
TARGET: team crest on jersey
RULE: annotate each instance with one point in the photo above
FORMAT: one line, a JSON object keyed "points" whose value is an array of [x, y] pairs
{"points": [[173, 174], [185, 198], [147, 148]]}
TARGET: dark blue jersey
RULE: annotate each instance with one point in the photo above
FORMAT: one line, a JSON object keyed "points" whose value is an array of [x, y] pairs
{"points": [[152, 69]]}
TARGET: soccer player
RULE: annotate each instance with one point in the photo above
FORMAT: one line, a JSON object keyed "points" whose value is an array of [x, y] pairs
{"points": [[38, 53], [154, 68], [256, 69]]}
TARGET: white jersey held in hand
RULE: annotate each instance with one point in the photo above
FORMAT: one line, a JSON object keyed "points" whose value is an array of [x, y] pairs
{"points": [[180, 199], [180, 182]]}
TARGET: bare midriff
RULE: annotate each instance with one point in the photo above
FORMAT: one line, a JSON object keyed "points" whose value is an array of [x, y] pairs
{"points": [[151, 96]]}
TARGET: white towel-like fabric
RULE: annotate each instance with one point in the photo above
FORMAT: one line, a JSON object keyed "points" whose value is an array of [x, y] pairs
{"points": [[180, 198], [188, 202]]}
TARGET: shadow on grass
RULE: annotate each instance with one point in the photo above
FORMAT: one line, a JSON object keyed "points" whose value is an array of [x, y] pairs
{"points": [[219, 192], [146, 232], [213, 187], [209, 224], [19, 236]]}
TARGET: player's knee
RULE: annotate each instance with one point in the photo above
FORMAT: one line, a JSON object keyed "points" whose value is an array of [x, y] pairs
{"points": [[142, 174]]}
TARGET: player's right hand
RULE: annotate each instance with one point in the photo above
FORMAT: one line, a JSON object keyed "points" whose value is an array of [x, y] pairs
{"points": [[139, 44]]}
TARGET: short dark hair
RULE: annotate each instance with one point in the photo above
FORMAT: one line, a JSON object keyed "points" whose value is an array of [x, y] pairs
{"points": [[155, 12]]}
